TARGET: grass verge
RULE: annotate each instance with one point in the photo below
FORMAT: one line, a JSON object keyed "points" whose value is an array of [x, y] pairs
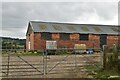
{"points": [[97, 72]]}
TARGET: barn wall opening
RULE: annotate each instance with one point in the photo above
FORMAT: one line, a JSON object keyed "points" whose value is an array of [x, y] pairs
{"points": [[103, 39], [46, 36], [83, 36], [64, 36]]}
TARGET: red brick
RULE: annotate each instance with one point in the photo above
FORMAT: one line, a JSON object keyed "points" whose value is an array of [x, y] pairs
{"points": [[93, 42], [74, 36], [55, 36], [31, 41]]}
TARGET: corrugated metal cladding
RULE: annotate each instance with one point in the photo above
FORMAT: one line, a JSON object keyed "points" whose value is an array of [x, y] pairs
{"points": [[73, 28]]}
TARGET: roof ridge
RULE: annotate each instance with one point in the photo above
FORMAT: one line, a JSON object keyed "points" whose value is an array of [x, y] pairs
{"points": [[75, 23]]}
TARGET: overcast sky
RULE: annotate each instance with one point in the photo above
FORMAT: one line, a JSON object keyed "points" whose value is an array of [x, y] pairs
{"points": [[15, 16]]}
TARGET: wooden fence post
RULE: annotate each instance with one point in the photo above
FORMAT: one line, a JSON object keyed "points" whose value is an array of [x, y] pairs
{"points": [[104, 56], [115, 52]]}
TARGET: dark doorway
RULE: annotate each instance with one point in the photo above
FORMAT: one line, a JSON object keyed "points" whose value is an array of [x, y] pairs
{"points": [[103, 39]]}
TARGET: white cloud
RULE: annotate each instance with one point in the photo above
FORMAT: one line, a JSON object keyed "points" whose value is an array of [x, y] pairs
{"points": [[17, 15], [93, 18], [60, 0]]}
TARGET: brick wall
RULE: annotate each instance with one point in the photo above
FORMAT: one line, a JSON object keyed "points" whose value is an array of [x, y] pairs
{"points": [[31, 41], [93, 42], [74, 39], [113, 39], [55, 36], [27, 37], [38, 42], [74, 36]]}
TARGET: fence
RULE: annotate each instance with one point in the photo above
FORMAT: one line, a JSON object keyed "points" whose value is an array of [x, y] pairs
{"points": [[111, 57], [44, 63]]}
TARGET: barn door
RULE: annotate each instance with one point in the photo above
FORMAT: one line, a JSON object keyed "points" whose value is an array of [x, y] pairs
{"points": [[103, 40]]}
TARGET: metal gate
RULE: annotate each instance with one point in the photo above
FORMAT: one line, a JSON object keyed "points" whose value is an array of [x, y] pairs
{"points": [[19, 63]]}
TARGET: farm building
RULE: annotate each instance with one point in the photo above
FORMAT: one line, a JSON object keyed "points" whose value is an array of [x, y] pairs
{"points": [[66, 35]]}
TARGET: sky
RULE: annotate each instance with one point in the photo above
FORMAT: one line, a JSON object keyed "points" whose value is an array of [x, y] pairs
{"points": [[16, 15]]}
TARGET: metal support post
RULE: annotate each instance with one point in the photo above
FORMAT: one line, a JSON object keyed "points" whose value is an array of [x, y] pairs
{"points": [[45, 62], [75, 60]]}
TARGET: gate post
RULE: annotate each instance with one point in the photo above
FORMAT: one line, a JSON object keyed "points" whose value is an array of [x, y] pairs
{"points": [[101, 57], [45, 62], [104, 56], [8, 62]]}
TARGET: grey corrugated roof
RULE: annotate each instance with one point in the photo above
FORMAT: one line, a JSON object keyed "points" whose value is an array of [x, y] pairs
{"points": [[72, 28]]}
